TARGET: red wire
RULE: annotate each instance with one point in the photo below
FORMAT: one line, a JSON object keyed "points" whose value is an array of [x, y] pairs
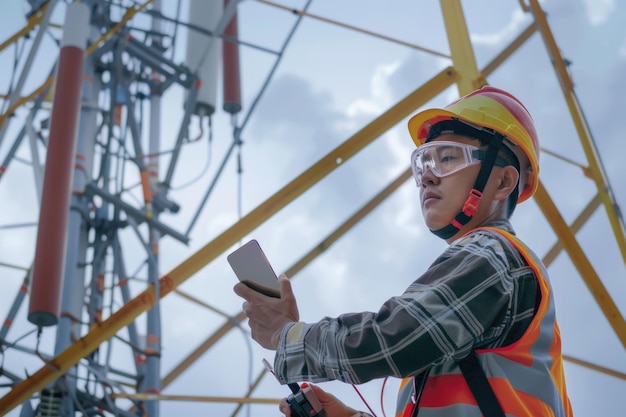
{"points": [[382, 396], [364, 401]]}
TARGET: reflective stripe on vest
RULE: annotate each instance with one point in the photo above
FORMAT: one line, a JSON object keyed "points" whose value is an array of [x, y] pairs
{"points": [[517, 372]]}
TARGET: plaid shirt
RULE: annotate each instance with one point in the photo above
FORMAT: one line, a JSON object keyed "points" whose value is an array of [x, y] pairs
{"points": [[479, 293]]}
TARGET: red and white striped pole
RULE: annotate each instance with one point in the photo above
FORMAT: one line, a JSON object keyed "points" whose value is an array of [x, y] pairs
{"points": [[55, 200]]}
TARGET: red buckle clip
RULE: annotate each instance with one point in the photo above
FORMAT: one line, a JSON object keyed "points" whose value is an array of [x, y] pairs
{"points": [[471, 204]]}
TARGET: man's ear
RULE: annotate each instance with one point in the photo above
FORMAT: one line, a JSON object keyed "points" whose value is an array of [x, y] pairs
{"points": [[507, 180]]}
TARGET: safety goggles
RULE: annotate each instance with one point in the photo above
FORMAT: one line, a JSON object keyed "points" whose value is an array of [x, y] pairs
{"points": [[445, 158]]}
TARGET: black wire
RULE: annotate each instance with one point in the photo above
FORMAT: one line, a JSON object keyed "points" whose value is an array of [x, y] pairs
{"points": [[609, 188], [175, 34]]}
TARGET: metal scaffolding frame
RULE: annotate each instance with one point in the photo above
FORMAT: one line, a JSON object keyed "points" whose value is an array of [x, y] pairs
{"points": [[94, 228]]}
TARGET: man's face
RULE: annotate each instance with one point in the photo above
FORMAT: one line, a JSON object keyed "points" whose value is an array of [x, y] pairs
{"points": [[442, 198]]}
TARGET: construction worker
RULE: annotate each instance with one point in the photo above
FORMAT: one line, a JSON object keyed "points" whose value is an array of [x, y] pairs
{"points": [[476, 334]]}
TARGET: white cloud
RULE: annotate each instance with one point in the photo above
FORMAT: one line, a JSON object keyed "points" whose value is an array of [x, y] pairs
{"points": [[380, 98], [599, 11], [519, 18]]}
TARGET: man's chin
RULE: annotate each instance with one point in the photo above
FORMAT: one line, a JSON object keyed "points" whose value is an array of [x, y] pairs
{"points": [[435, 220], [436, 225]]}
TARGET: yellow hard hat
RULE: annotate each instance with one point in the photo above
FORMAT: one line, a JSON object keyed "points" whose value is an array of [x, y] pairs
{"points": [[492, 108]]}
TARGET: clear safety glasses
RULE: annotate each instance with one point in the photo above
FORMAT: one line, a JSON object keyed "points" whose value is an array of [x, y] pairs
{"points": [[444, 158]]}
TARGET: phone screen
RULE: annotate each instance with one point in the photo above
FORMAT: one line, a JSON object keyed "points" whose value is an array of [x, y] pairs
{"points": [[253, 269]]}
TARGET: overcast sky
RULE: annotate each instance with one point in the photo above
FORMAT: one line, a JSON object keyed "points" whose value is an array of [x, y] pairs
{"points": [[330, 83]]}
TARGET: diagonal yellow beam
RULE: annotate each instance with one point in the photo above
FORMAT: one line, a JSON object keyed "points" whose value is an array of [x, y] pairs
{"points": [[58, 365], [576, 226], [463, 59], [594, 367], [581, 262], [33, 20], [510, 49], [251, 389], [163, 397], [595, 169]]}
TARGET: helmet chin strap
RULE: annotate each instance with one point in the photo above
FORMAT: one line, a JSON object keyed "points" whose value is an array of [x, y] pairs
{"points": [[471, 204]]}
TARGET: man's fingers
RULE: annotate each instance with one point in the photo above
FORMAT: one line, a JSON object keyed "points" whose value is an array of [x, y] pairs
{"points": [[284, 407], [322, 395], [241, 290], [246, 292], [286, 291]]}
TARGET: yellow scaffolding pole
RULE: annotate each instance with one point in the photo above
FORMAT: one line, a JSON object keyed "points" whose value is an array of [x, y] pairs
{"points": [[33, 20], [597, 368], [595, 169], [508, 51], [463, 60], [163, 397], [575, 227], [581, 262]]}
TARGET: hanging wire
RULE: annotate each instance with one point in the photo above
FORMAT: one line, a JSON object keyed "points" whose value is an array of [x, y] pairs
{"points": [[275, 66], [609, 188], [364, 400], [207, 164], [382, 396], [239, 173], [175, 34], [25, 335], [237, 130]]}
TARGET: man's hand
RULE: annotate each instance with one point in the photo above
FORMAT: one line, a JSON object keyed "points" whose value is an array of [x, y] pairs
{"points": [[268, 315], [332, 406]]}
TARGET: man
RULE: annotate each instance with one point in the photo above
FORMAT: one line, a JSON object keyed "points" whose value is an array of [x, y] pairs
{"points": [[476, 334]]}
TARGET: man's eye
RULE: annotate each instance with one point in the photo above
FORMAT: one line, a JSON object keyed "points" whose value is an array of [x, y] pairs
{"points": [[447, 158]]}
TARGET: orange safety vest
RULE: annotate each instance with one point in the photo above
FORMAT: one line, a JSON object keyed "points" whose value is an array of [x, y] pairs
{"points": [[527, 376]]}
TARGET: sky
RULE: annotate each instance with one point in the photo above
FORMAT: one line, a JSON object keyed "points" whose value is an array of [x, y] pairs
{"points": [[330, 82]]}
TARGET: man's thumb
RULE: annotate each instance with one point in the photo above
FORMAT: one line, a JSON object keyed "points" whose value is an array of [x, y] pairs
{"points": [[321, 395], [285, 287]]}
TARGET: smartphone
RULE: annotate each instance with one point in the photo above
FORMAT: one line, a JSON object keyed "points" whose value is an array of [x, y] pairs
{"points": [[253, 269]]}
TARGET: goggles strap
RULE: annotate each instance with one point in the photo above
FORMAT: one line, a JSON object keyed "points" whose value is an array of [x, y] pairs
{"points": [[471, 204]]}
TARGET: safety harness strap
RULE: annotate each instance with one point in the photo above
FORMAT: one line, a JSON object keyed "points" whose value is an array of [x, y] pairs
{"points": [[479, 385], [477, 382]]}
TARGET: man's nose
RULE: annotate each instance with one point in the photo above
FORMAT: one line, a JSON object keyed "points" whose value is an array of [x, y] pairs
{"points": [[429, 177]]}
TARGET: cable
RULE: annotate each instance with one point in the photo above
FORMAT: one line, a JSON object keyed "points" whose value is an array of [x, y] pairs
{"points": [[382, 396], [273, 70], [364, 400], [601, 168], [175, 34], [208, 161], [14, 343], [239, 180]]}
